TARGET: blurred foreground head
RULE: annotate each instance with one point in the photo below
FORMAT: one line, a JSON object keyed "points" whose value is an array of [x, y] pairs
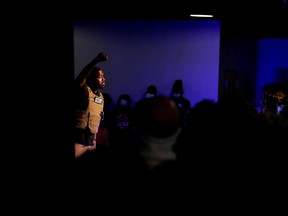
{"points": [[157, 117]]}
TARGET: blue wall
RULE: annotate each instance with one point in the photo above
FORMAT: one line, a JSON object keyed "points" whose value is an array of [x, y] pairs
{"points": [[144, 52]]}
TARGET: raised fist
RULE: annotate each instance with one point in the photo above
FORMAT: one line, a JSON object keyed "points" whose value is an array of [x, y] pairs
{"points": [[102, 56]]}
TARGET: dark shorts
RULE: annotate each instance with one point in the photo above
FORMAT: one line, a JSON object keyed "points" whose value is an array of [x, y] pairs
{"points": [[83, 136]]}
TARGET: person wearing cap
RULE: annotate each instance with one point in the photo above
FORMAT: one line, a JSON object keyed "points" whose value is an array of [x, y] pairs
{"points": [[151, 91], [184, 105]]}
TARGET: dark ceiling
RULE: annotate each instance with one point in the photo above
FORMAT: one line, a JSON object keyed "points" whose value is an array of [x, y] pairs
{"points": [[260, 18]]}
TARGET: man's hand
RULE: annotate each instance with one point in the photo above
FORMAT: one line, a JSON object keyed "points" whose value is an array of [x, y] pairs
{"points": [[102, 56], [91, 148]]}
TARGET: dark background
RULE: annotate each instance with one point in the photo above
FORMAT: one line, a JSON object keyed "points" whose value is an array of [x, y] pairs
{"points": [[37, 68], [38, 56]]}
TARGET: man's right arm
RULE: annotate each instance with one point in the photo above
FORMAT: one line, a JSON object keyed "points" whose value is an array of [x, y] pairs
{"points": [[81, 78]]}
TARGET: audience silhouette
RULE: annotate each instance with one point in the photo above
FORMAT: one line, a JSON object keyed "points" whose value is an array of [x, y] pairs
{"points": [[122, 123], [151, 92], [177, 94]]}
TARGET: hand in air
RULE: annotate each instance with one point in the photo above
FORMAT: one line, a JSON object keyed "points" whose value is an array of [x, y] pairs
{"points": [[102, 56]]}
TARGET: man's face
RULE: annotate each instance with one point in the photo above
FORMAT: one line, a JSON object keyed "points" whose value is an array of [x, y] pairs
{"points": [[100, 79]]}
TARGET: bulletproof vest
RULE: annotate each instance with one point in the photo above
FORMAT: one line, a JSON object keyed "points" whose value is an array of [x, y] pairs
{"points": [[92, 115]]}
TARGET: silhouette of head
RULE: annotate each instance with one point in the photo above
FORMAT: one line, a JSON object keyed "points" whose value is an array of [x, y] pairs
{"points": [[157, 117], [177, 88], [124, 100], [151, 91]]}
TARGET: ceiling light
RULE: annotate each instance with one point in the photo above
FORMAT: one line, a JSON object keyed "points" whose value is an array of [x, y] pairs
{"points": [[200, 15]]}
